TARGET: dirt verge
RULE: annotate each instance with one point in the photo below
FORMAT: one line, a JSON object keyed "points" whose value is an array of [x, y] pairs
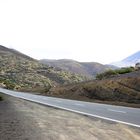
{"points": [[23, 120]]}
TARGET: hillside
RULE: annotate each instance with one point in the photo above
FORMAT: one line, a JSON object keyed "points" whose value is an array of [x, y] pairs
{"points": [[88, 69], [21, 72], [121, 90], [129, 61]]}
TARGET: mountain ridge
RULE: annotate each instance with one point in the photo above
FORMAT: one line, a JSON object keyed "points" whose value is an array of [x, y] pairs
{"points": [[88, 69], [21, 72]]}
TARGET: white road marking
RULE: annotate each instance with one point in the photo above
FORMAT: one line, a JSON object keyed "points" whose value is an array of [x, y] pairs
{"points": [[79, 104], [58, 101], [119, 111], [83, 113], [72, 110]]}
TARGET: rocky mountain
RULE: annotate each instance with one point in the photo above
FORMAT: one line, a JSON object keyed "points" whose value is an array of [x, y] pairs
{"points": [[129, 61], [88, 69], [21, 72], [123, 89]]}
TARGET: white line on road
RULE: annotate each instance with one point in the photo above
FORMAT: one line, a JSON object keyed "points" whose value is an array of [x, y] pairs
{"points": [[119, 111], [58, 101], [84, 113], [76, 111], [79, 104]]}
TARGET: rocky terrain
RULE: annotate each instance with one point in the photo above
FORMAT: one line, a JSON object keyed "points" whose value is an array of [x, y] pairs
{"points": [[20, 72]]}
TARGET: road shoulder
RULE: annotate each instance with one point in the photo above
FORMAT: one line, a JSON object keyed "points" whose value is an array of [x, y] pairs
{"points": [[20, 119]]}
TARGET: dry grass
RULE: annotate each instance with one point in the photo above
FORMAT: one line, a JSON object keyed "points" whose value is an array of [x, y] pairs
{"points": [[123, 90]]}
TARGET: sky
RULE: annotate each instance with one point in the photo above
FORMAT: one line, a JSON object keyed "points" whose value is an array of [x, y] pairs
{"points": [[84, 30]]}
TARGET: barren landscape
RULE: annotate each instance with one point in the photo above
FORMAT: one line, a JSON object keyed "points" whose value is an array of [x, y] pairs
{"points": [[70, 70], [23, 120]]}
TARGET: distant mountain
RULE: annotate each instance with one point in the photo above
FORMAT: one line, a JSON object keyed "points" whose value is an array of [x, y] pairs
{"points": [[88, 69], [129, 61], [19, 71]]}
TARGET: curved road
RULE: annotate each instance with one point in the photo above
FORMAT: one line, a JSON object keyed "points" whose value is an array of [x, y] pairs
{"points": [[125, 115]]}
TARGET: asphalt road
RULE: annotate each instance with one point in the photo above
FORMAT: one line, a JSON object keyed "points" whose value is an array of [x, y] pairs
{"points": [[125, 115]]}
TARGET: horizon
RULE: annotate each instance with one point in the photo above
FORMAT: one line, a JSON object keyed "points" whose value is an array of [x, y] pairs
{"points": [[85, 31], [68, 58]]}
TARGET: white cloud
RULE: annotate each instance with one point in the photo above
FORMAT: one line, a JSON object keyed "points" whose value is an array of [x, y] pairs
{"points": [[86, 30]]}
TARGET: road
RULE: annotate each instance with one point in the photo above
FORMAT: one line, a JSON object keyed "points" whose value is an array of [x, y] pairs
{"points": [[125, 115]]}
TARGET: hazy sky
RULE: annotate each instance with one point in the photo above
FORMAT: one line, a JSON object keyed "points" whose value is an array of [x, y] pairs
{"points": [[84, 30]]}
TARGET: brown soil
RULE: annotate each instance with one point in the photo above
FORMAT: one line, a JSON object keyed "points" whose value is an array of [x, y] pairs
{"points": [[23, 120], [120, 90]]}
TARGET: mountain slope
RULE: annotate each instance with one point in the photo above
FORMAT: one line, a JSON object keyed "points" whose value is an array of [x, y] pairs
{"points": [[5, 50], [129, 61], [88, 69], [18, 71], [124, 88]]}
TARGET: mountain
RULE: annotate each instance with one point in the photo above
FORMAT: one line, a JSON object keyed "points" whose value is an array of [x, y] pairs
{"points": [[123, 89], [129, 61], [21, 72], [88, 69]]}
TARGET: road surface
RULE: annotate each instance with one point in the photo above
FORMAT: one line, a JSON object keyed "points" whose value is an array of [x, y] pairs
{"points": [[125, 115]]}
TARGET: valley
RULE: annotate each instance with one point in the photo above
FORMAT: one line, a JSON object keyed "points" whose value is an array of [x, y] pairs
{"points": [[69, 79]]}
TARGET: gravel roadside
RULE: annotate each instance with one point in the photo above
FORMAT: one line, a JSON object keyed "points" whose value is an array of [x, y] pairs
{"points": [[24, 120]]}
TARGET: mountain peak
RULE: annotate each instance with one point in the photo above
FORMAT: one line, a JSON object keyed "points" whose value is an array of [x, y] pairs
{"points": [[135, 56], [129, 61]]}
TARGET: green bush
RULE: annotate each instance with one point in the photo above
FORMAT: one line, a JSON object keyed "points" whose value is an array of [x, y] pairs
{"points": [[111, 73], [124, 70], [106, 74], [9, 84]]}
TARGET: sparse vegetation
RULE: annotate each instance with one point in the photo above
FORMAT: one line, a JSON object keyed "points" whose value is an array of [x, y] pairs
{"points": [[20, 72], [125, 70], [121, 90], [111, 73], [7, 83], [87, 69]]}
